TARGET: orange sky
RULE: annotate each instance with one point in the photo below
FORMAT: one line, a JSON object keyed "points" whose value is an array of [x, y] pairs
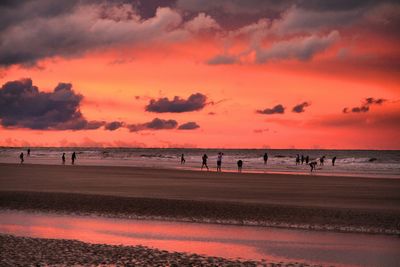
{"points": [[117, 81]]}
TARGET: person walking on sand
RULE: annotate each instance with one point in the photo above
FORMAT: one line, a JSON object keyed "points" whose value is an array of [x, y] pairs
{"points": [[313, 165], [28, 152], [73, 158], [183, 159], [302, 159], [265, 158], [307, 159], [240, 165], [219, 161], [63, 158], [333, 161], [21, 157], [204, 164]]}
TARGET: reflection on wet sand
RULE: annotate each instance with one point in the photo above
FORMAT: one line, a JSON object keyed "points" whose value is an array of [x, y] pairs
{"points": [[215, 240]]}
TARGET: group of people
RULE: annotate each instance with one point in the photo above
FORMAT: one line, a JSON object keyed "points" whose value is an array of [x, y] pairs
{"points": [[313, 164], [28, 153], [299, 160]]}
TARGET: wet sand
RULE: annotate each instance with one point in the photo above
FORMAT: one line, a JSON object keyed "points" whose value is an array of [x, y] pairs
{"points": [[303, 201]]}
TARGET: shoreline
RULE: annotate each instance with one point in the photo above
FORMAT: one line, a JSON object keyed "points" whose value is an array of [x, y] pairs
{"points": [[228, 171]]}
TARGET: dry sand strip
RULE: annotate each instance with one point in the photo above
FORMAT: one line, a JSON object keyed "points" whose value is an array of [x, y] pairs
{"points": [[23, 251], [332, 203]]}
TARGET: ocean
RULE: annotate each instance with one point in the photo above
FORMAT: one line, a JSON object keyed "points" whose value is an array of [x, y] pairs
{"points": [[364, 163]]}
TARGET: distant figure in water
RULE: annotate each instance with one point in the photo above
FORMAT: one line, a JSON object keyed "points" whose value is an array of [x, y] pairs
{"points": [[219, 161], [321, 161], [28, 152], [240, 165], [302, 159], [183, 159], [333, 161], [204, 164], [265, 158], [313, 165], [73, 158], [63, 158], [297, 159], [307, 159], [21, 157]]}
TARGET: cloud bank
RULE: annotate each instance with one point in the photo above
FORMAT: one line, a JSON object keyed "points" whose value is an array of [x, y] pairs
{"points": [[278, 109], [177, 105], [23, 105]]}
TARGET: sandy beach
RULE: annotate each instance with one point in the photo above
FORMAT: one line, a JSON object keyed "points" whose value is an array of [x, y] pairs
{"points": [[330, 203], [343, 204]]}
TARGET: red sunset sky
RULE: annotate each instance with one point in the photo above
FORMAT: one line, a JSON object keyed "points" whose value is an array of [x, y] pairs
{"points": [[231, 74]]}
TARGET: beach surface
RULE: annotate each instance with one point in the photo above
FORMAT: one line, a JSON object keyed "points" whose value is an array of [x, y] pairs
{"points": [[303, 201]]}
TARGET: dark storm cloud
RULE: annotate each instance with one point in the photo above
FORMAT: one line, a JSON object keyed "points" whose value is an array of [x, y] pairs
{"points": [[68, 29], [112, 126], [177, 105], [72, 28], [189, 126], [300, 107], [22, 105], [271, 6], [155, 124], [278, 109], [365, 105]]}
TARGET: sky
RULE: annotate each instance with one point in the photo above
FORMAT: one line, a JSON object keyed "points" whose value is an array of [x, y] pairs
{"points": [[200, 73]]}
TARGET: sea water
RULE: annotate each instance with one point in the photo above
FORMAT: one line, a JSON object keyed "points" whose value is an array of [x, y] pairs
{"points": [[365, 163]]}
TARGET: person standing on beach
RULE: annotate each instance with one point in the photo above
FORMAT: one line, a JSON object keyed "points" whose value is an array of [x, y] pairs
{"points": [[73, 158], [297, 159], [204, 164], [307, 159], [321, 161], [333, 161], [265, 158], [302, 159], [183, 159], [28, 152], [240, 165], [63, 158], [21, 157], [219, 161]]}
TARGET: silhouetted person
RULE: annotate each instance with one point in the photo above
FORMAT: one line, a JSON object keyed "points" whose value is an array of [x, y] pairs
{"points": [[183, 159], [204, 164], [265, 158], [297, 159], [73, 158], [307, 159], [240, 165], [313, 165], [28, 152], [302, 159], [219, 161], [21, 157], [333, 161], [321, 161], [63, 158]]}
